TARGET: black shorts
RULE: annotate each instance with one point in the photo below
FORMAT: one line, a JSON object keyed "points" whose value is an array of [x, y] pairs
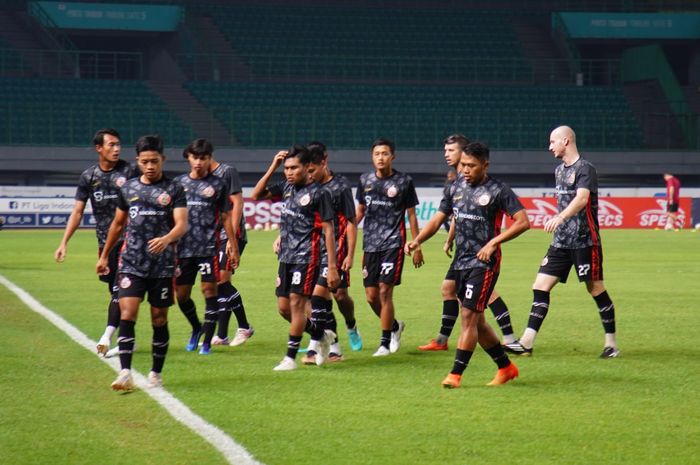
{"points": [[296, 278], [672, 207], [588, 263], [451, 274], [187, 269], [344, 278], [113, 264], [160, 290], [385, 267], [224, 265], [474, 287]]}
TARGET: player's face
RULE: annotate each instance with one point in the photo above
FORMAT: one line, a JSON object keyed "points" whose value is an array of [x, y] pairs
{"points": [[557, 144], [318, 171], [473, 169], [453, 153], [382, 157], [200, 165], [151, 164], [295, 172], [110, 148]]}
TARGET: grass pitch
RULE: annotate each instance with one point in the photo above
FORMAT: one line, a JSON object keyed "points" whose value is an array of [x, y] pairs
{"points": [[567, 407]]}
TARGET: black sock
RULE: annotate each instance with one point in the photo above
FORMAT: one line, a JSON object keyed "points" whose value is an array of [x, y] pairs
{"points": [[331, 322], [224, 319], [351, 323], [211, 316], [461, 361], [498, 355], [235, 303], [188, 308], [126, 341], [540, 306], [293, 346], [395, 326], [159, 346], [386, 338], [607, 312], [113, 311], [314, 330], [500, 312], [450, 312], [319, 313]]}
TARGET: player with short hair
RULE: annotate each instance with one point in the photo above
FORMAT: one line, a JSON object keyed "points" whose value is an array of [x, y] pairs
{"points": [[384, 198], [208, 209], [307, 213], [152, 210], [478, 203], [100, 185], [673, 197], [576, 243]]}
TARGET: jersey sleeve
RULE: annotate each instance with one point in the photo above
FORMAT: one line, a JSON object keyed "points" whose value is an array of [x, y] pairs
{"points": [[82, 192], [179, 197], [277, 191], [411, 197], [234, 182], [122, 204], [325, 205], [347, 205], [359, 194], [510, 202], [446, 201], [587, 178], [222, 202]]}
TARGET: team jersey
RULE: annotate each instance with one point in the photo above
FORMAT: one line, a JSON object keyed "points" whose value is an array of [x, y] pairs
{"points": [[150, 209], [385, 201], [581, 230], [101, 188], [478, 212], [676, 184], [344, 208], [233, 182], [304, 208], [207, 198]]}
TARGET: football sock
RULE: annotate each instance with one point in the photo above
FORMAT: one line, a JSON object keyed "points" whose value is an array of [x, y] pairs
{"points": [[319, 314], [126, 341], [293, 346], [461, 361], [159, 346], [498, 355], [314, 330], [386, 338], [500, 312], [607, 312], [351, 324], [224, 319], [331, 322], [450, 312], [188, 308], [113, 312], [540, 306], [239, 310], [395, 326], [211, 316]]}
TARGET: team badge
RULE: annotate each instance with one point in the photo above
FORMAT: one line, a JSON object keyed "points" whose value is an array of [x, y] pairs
{"points": [[208, 192], [120, 181], [484, 200], [571, 178], [164, 199], [304, 200], [545, 260], [125, 282], [364, 272], [392, 191]]}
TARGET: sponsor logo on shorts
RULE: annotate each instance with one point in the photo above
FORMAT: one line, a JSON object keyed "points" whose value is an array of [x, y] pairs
{"points": [[278, 281], [364, 272], [545, 260]]}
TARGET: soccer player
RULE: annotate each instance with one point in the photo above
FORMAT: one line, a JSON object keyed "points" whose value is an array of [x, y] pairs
{"points": [[673, 194], [152, 209], [453, 146], [478, 203], [307, 213], [346, 237], [576, 243], [208, 209], [230, 300], [385, 196], [100, 184]]}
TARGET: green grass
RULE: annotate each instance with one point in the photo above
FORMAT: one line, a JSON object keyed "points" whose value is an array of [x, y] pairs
{"points": [[568, 406]]}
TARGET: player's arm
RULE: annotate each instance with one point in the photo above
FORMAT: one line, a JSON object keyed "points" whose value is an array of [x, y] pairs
{"points": [[449, 242], [260, 191], [329, 235], [360, 213], [576, 205], [432, 226], [415, 232], [158, 244], [520, 224], [115, 232], [76, 216], [232, 252], [351, 235]]}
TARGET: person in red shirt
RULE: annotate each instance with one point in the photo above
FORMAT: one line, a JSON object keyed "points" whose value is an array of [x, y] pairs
{"points": [[673, 190]]}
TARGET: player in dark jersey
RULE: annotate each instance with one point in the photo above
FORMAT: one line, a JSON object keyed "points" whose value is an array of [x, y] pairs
{"points": [[576, 243], [307, 213], [100, 185], [152, 209], [385, 196], [478, 203], [208, 209], [230, 300], [346, 238], [453, 146]]}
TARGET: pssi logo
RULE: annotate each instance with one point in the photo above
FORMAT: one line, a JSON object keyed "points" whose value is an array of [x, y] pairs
{"points": [[656, 217], [609, 214], [543, 212]]}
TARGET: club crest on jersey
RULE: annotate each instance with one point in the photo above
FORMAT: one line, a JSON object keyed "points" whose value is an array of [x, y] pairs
{"points": [[571, 178], [304, 200], [392, 191], [545, 260], [164, 199], [120, 181], [98, 196], [484, 200], [208, 192], [125, 282]]}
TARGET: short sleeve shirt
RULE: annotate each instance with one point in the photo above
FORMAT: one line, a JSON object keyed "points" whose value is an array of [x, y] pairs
{"points": [[478, 212], [385, 201], [303, 211], [344, 207], [581, 230], [676, 184], [207, 198], [101, 188], [232, 180], [150, 208]]}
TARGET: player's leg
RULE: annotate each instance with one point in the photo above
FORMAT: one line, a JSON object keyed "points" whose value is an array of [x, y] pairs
{"points": [[589, 263], [186, 274], [346, 305], [319, 317], [502, 315], [131, 292], [113, 312], [211, 314], [160, 298], [450, 313], [234, 304]]}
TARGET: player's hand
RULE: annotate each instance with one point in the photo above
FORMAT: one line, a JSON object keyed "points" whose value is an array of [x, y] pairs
{"points": [[279, 158], [233, 254], [447, 248], [333, 279], [418, 258], [486, 251], [157, 245], [347, 264], [553, 223], [60, 253], [276, 245], [410, 247], [102, 268]]}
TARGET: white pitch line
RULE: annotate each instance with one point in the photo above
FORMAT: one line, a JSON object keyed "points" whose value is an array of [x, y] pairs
{"points": [[231, 450]]}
